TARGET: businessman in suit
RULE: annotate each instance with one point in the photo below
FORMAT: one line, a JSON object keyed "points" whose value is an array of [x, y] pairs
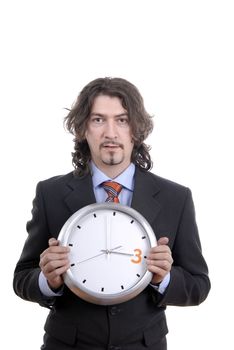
{"points": [[110, 125]]}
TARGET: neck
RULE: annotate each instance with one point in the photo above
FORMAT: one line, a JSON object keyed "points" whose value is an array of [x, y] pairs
{"points": [[112, 171]]}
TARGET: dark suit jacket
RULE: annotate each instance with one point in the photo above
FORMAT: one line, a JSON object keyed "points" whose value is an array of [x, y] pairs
{"points": [[169, 209]]}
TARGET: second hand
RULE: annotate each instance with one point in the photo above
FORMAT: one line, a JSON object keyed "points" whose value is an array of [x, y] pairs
{"points": [[104, 251]]}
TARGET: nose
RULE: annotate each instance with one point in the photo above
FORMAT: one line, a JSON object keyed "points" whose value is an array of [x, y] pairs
{"points": [[110, 131]]}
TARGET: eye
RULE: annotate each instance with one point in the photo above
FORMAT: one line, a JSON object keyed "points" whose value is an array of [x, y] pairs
{"points": [[123, 121], [97, 120]]}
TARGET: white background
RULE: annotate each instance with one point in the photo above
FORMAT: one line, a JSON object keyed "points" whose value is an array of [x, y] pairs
{"points": [[180, 55]]}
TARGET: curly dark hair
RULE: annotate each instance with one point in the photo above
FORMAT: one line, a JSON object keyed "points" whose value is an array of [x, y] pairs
{"points": [[140, 121]]}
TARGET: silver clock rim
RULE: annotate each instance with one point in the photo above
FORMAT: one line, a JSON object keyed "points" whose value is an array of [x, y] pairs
{"points": [[81, 291]]}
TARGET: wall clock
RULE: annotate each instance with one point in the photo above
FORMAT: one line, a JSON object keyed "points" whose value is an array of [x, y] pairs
{"points": [[108, 245]]}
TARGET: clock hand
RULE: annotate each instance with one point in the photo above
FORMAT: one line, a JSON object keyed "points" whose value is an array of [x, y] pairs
{"points": [[128, 254], [111, 251], [108, 236], [92, 257], [108, 251], [104, 251]]}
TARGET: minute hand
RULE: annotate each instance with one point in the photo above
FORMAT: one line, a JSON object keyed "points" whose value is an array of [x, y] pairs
{"points": [[128, 254], [114, 252]]}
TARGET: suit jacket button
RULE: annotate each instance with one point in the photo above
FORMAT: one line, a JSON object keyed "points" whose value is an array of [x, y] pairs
{"points": [[114, 310]]}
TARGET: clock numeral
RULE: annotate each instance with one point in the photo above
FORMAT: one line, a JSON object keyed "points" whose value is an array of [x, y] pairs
{"points": [[137, 258]]}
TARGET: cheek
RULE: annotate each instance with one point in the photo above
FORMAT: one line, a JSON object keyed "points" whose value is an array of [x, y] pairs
{"points": [[92, 140], [131, 140], [129, 146], [89, 135]]}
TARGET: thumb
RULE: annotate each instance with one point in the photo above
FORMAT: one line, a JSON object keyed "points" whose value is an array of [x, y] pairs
{"points": [[53, 242], [163, 241]]}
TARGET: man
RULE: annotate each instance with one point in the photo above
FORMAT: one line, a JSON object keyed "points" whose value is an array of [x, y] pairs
{"points": [[110, 124]]}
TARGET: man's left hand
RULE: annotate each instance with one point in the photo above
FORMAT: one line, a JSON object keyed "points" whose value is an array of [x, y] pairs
{"points": [[160, 260]]}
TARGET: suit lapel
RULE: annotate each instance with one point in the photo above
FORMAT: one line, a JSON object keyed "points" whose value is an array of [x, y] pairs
{"points": [[144, 196], [81, 193]]}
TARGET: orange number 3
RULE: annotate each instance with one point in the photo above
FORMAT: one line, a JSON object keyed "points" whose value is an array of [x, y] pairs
{"points": [[137, 259]]}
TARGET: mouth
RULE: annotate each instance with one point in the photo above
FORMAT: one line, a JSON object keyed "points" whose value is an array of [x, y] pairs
{"points": [[111, 145]]}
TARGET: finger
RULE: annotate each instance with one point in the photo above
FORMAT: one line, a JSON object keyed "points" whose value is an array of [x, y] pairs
{"points": [[55, 250], [163, 241], [159, 249], [162, 264], [160, 256], [53, 242], [55, 274], [54, 265], [159, 272], [46, 258]]}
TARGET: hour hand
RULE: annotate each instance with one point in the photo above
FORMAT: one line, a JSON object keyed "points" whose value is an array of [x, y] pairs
{"points": [[113, 251], [109, 251]]}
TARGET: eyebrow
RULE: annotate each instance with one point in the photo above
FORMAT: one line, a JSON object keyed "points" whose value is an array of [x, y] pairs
{"points": [[125, 114]]}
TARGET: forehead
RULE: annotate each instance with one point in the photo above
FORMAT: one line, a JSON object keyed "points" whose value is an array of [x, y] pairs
{"points": [[104, 104]]}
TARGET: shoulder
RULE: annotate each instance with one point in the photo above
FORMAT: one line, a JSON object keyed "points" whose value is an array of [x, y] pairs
{"points": [[59, 183], [168, 189], [56, 181], [167, 183], [160, 182], [176, 195], [64, 183]]}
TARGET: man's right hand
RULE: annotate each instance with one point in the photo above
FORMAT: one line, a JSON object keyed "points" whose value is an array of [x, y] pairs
{"points": [[54, 262]]}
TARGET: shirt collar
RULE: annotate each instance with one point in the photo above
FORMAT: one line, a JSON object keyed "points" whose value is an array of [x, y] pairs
{"points": [[126, 178]]}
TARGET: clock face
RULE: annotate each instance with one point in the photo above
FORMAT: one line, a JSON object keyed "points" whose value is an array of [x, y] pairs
{"points": [[108, 245]]}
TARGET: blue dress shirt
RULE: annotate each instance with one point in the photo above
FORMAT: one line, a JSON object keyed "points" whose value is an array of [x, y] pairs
{"points": [[126, 179]]}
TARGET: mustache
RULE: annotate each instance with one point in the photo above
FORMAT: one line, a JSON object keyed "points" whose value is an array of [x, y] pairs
{"points": [[112, 143]]}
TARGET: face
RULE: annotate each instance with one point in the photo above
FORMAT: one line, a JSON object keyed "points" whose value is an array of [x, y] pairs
{"points": [[109, 135]]}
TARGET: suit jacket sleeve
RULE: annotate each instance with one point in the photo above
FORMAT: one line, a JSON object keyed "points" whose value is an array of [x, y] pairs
{"points": [[27, 270], [189, 283]]}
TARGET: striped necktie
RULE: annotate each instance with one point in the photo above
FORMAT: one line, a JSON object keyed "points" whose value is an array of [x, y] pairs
{"points": [[113, 189]]}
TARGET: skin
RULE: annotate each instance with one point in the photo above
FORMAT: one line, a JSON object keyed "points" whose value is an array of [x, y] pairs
{"points": [[109, 135], [110, 141]]}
